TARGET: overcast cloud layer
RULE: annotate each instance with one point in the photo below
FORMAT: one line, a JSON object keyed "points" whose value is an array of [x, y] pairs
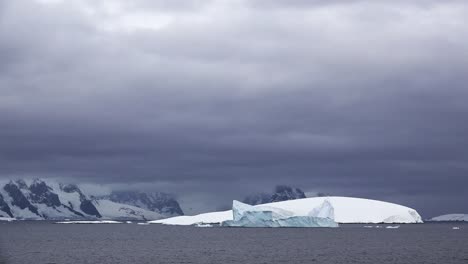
{"points": [[216, 99]]}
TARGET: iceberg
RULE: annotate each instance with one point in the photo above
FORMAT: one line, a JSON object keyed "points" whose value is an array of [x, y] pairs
{"points": [[245, 215], [325, 210], [240, 209], [341, 209]]}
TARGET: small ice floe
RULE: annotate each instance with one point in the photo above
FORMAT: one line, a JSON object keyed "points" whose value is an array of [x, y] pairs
{"points": [[393, 227], [129, 222], [368, 226], [90, 222], [7, 219], [143, 223], [203, 225], [378, 227], [455, 228]]}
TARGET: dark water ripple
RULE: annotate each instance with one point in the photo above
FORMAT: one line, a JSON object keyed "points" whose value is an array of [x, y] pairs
{"points": [[43, 242]]}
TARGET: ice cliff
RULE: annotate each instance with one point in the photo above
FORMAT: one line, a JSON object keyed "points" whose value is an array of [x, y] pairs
{"points": [[245, 215]]}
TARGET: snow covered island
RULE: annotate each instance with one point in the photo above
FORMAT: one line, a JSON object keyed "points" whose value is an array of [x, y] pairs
{"points": [[451, 218], [339, 209]]}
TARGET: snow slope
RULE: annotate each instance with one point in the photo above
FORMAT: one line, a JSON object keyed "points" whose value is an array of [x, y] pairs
{"points": [[206, 218], [345, 210], [451, 217]]}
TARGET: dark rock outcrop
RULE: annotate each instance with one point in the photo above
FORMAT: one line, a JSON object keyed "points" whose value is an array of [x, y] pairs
{"points": [[88, 208], [18, 198], [41, 193], [4, 207], [285, 193], [86, 205], [281, 193]]}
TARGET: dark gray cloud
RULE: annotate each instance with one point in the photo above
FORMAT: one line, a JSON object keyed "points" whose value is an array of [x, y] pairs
{"points": [[219, 99]]}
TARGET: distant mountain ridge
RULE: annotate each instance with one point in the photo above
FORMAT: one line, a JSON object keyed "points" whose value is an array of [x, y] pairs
{"points": [[450, 218], [42, 200], [281, 193], [156, 201]]}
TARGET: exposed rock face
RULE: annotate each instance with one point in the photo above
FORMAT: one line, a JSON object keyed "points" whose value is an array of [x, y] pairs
{"points": [[86, 205], [41, 193], [4, 207], [88, 208], [281, 193], [18, 198], [285, 193], [157, 202]]}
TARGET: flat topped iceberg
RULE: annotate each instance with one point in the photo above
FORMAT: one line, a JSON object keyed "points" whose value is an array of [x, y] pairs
{"points": [[239, 210], [245, 215], [341, 209]]}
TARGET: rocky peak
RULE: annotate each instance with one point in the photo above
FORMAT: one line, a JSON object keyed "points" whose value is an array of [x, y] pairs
{"points": [[155, 201], [70, 188], [18, 198], [86, 205], [41, 193], [285, 193], [21, 184], [280, 193]]}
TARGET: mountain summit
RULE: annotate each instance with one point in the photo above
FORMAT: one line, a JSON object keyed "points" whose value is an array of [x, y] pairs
{"points": [[281, 193]]}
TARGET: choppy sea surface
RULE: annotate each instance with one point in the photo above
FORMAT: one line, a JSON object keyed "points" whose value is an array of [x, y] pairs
{"points": [[46, 242]]}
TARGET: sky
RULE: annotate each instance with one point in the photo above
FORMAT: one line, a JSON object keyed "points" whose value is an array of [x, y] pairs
{"points": [[214, 100]]}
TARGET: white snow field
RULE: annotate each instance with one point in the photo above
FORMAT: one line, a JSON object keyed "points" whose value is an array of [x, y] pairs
{"points": [[344, 210], [90, 222], [7, 219], [451, 217]]}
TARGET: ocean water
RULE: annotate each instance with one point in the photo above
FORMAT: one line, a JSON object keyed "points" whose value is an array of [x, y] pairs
{"points": [[46, 242]]}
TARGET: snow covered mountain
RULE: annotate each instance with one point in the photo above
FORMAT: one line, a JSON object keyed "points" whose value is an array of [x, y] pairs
{"points": [[163, 203], [281, 193], [451, 218], [39, 199], [344, 210]]}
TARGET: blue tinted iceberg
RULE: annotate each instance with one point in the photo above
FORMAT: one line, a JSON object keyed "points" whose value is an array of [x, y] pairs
{"points": [[245, 215]]}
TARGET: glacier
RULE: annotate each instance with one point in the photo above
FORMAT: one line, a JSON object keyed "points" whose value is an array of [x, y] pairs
{"points": [[341, 209], [245, 215]]}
